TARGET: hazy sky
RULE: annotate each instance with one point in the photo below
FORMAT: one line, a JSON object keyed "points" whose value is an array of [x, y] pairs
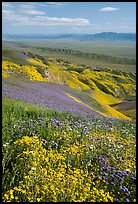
{"points": [[68, 17]]}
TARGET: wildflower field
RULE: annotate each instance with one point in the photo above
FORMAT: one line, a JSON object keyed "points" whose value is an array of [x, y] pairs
{"points": [[52, 156]]}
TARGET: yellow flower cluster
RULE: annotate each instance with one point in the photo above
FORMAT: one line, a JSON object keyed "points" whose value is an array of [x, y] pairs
{"points": [[48, 176], [105, 100], [27, 71], [37, 62]]}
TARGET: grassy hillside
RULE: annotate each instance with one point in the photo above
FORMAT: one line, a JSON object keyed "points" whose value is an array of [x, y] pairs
{"points": [[99, 84], [60, 157], [68, 129]]}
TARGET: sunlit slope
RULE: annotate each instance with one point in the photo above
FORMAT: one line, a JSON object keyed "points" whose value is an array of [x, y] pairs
{"points": [[81, 102], [105, 100], [118, 84], [105, 86], [109, 81], [10, 69], [109, 111]]}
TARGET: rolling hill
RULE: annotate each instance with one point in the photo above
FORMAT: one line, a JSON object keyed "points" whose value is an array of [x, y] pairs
{"points": [[91, 88], [66, 126]]}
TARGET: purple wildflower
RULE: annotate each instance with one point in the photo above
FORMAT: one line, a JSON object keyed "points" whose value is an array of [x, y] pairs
{"points": [[127, 200]]}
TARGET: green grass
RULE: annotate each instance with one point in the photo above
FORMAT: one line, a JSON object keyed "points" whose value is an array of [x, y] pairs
{"points": [[14, 56], [85, 97], [17, 111]]}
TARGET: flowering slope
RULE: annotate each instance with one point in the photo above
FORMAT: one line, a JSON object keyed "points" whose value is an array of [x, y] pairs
{"points": [[54, 157], [98, 83]]}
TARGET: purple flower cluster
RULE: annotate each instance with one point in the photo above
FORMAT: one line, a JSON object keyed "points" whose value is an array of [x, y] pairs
{"points": [[44, 94]]}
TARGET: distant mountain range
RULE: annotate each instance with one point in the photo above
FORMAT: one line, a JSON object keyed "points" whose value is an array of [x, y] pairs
{"points": [[97, 36]]}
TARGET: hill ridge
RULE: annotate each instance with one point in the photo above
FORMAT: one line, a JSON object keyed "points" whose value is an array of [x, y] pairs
{"points": [[95, 36], [112, 85]]}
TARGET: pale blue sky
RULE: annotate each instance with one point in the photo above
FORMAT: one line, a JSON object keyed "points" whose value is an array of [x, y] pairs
{"points": [[68, 17]]}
